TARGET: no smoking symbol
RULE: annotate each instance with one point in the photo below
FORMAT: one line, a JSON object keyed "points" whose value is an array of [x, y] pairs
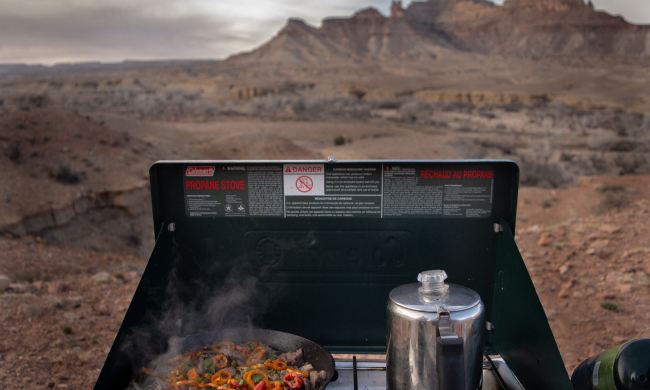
{"points": [[304, 184]]}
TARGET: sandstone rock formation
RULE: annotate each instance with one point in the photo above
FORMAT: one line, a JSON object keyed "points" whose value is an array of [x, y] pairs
{"points": [[426, 29]]}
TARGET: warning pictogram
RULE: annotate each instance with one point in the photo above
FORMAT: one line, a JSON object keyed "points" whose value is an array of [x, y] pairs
{"points": [[304, 179], [304, 184]]}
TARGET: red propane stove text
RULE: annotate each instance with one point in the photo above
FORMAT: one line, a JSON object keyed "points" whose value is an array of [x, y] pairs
{"points": [[456, 174], [215, 185]]}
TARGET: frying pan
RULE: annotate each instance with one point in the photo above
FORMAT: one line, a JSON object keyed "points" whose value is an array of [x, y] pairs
{"points": [[280, 341]]}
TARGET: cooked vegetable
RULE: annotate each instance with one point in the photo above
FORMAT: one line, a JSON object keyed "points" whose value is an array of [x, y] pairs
{"points": [[250, 366], [220, 360], [275, 385], [293, 380], [221, 377], [254, 376]]}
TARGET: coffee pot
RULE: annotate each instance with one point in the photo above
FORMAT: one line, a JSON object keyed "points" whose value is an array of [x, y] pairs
{"points": [[435, 335]]}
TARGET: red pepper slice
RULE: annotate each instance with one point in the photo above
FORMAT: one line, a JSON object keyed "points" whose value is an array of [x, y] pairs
{"points": [[260, 386], [293, 381]]}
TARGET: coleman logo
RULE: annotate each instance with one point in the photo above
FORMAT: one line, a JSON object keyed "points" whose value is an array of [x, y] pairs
{"points": [[199, 171]]}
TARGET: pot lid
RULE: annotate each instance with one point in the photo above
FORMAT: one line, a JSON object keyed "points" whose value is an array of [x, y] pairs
{"points": [[432, 294]]}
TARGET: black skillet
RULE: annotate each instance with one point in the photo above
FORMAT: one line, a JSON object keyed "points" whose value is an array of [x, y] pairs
{"points": [[280, 341]]}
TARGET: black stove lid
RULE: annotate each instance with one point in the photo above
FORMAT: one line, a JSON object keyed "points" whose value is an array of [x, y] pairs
{"points": [[324, 242]]}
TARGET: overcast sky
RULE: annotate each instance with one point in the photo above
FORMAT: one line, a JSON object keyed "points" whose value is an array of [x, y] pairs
{"points": [[44, 31]]}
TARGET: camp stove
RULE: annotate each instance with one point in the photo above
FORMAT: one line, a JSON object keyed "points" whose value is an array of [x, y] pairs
{"points": [[333, 238]]}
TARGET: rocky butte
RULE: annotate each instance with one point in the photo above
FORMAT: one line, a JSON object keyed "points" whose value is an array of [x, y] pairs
{"points": [[425, 30]]}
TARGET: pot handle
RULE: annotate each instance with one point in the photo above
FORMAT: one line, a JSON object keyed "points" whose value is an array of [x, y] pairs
{"points": [[450, 355]]}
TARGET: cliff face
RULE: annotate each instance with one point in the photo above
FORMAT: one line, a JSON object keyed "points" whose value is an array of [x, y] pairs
{"points": [[547, 28], [546, 5], [425, 29], [366, 35]]}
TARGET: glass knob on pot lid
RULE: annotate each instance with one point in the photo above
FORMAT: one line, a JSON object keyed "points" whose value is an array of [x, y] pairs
{"points": [[433, 282], [432, 294]]}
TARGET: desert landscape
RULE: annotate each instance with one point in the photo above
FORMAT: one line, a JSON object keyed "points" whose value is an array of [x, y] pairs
{"points": [[558, 87]]}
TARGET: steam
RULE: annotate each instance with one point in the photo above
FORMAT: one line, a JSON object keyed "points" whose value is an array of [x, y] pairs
{"points": [[224, 313]]}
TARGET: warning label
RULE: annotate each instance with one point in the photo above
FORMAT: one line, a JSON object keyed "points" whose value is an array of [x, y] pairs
{"points": [[313, 190], [265, 196], [424, 192], [358, 190]]}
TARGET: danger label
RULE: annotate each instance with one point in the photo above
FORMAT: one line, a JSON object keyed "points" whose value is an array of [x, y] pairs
{"points": [[349, 190], [304, 179]]}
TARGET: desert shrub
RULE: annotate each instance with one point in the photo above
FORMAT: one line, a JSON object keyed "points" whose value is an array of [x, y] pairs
{"points": [[31, 275], [133, 240], [55, 84], [415, 110], [469, 148], [514, 106], [612, 144], [341, 107], [630, 163], [90, 84], [505, 146], [192, 96], [613, 197], [13, 152], [276, 106], [267, 106], [39, 101], [463, 107], [610, 188], [438, 123], [548, 203], [339, 140], [610, 306], [542, 174], [297, 105], [486, 113], [66, 175], [387, 104], [540, 100], [357, 93]]}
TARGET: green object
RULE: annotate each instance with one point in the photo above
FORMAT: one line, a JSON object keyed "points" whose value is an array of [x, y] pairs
{"points": [[604, 374], [624, 367]]}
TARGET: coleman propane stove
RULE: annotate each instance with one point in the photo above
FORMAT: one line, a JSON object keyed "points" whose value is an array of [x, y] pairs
{"points": [[313, 248]]}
